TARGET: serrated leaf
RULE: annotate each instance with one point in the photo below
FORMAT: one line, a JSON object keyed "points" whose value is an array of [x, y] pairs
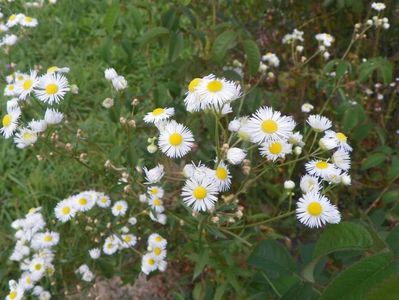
{"points": [[111, 17], [253, 56], [358, 279], [222, 43], [373, 160], [152, 34], [338, 237]]}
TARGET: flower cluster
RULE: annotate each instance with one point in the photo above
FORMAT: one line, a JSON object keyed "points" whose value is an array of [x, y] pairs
{"points": [[85, 273], [14, 20], [34, 251], [49, 88], [118, 81], [325, 41], [154, 259]]}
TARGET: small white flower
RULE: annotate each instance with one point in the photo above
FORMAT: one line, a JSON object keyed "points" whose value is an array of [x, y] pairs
{"points": [[307, 107], [37, 125], [222, 177], [95, 253], [339, 138], [378, 6], [275, 149], [319, 123], [235, 155], [341, 159], [155, 191], [154, 175], [65, 210], [310, 184], [321, 168], [103, 200], [110, 74], [200, 193], [289, 184], [175, 140], [119, 208], [159, 115], [271, 59], [51, 88], [53, 116], [10, 122], [25, 137], [156, 204], [119, 83]]}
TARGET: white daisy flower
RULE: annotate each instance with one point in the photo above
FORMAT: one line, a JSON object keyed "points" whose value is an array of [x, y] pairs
{"points": [[95, 253], [128, 240], [296, 138], [13, 20], [310, 184], [346, 179], [235, 155], [51, 88], [327, 144], [193, 101], [119, 83], [160, 218], [319, 123], [156, 204], [119, 208], [155, 191], [339, 138], [321, 168], [16, 293], [28, 22], [25, 137], [271, 59], [154, 175], [26, 281], [110, 247], [175, 140], [9, 40], [149, 263], [10, 90], [37, 125], [110, 74], [159, 114], [217, 91], [103, 200], [155, 240], [53, 116], [267, 124], [45, 240], [378, 6], [55, 69], [26, 86], [65, 210], [83, 201], [37, 266], [341, 159], [275, 149], [325, 39], [315, 210], [158, 252], [200, 193], [222, 176], [289, 184], [10, 122], [132, 221]]}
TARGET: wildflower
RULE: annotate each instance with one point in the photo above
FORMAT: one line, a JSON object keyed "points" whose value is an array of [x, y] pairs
{"points": [[110, 74], [378, 6], [159, 115], [128, 240], [29, 21], [309, 184], [103, 200], [155, 240], [341, 159], [319, 123], [45, 240], [307, 107], [26, 86], [37, 125], [65, 210], [53, 116], [193, 101], [149, 263], [175, 140], [95, 253], [119, 83], [156, 204], [235, 155], [51, 88], [200, 193], [25, 137], [321, 168], [325, 39], [119, 208], [271, 59], [154, 175], [108, 103], [222, 177], [339, 138], [155, 191], [346, 179], [275, 149], [289, 184], [55, 69], [10, 122]]}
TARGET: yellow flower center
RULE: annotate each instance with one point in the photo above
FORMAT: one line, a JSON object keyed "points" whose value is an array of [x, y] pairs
{"points": [[38, 267], [154, 191], [193, 84], [66, 210], [158, 111], [127, 238], [28, 19], [157, 251], [12, 17], [109, 245], [157, 202], [104, 200], [48, 238], [6, 120], [269, 126], [214, 86], [11, 87], [13, 295], [322, 165], [221, 173], [27, 135], [51, 89], [275, 148], [158, 239], [27, 84], [199, 192], [175, 139], [20, 77], [151, 261], [82, 201], [314, 209], [28, 280], [52, 69], [119, 207], [342, 137]]}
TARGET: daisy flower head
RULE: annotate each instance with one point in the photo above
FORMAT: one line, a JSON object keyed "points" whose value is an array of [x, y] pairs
{"points": [[341, 159], [65, 210], [110, 246], [155, 240], [175, 140], [53, 116], [128, 240], [119, 83], [10, 122], [25, 137], [159, 114], [155, 191], [310, 184], [26, 86], [222, 177], [315, 210], [160, 218], [119, 208], [10, 90], [193, 101], [103, 200], [192, 169], [321, 168], [16, 293], [37, 125], [51, 88], [9, 40], [45, 240], [156, 204], [154, 175], [13, 20], [266, 124], [235, 155], [159, 253], [27, 21], [275, 149], [325, 39], [149, 263], [95, 253], [378, 6], [327, 144], [84, 201], [319, 123], [218, 91], [110, 74], [200, 193], [339, 138]]}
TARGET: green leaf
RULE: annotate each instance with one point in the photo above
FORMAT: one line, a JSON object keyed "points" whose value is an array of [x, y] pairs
{"points": [[152, 34], [202, 261], [176, 45], [373, 160], [355, 281], [382, 65], [390, 196], [222, 43], [253, 56], [338, 237], [387, 290], [111, 17], [272, 258], [393, 240]]}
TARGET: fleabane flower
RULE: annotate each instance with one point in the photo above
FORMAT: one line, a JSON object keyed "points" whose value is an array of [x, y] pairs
{"points": [[37, 125], [378, 6], [10, 90], [51, 88], [110, 74], [84, 201], [159, 114], [25, 137], [339, 138], [149, 263], [119, 83], [319, 123], [275, 149], [266, 124], [128, 240], [10, 122], [222, 177], [95, 253], [175, 140], [315, 210], [13, 20], [53, 116], [193, 101], [65, 210], [45, 240], [309, 184], [155, 191], [235, 155], [341, 159], [200, 193], [16, 293], [154, 175], [55, 69], [103, 200], [155, 240], [321, 168], [26, 86], [27, 21], [119, 208], [156, 204]]}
